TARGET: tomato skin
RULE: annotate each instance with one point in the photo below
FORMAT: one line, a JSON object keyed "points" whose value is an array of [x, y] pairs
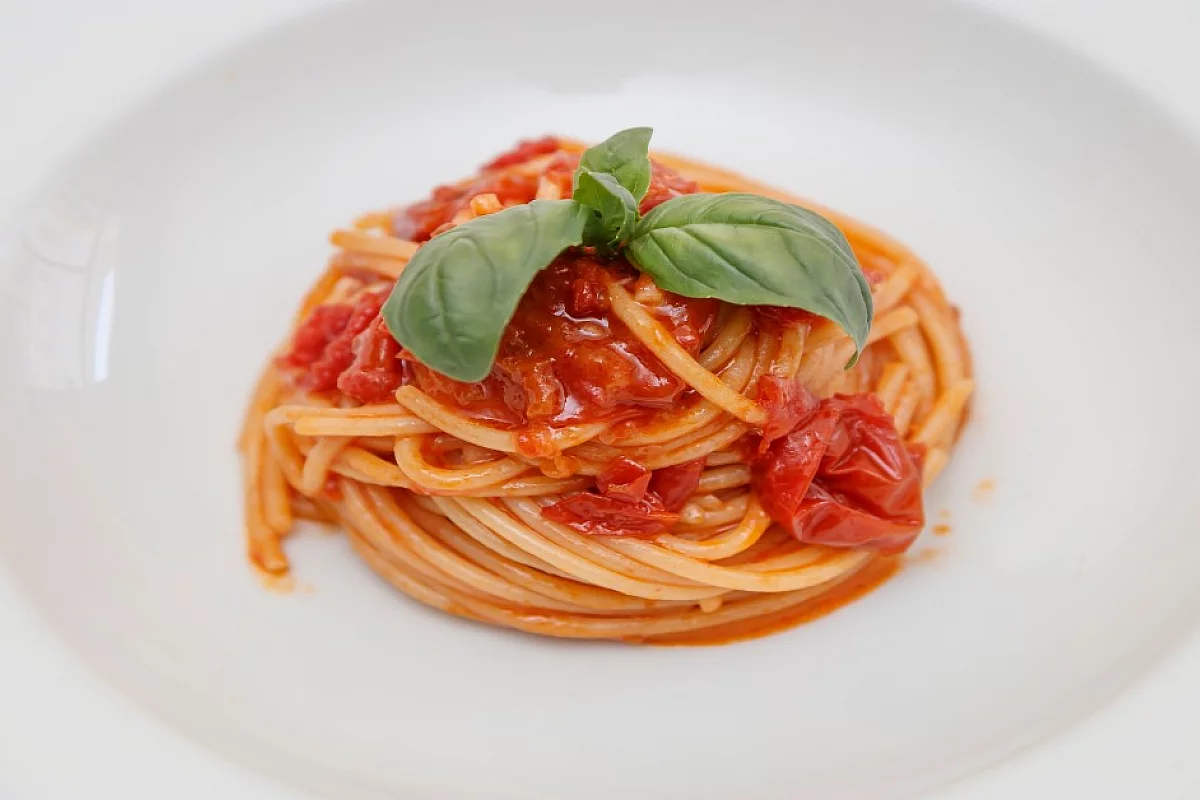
{"points": [[675, 485], [784, 474], [375, 374], [588, 512], [630, 500], [312, 338], [844, 478], [786, 402], [328, 343], [624, 479]]}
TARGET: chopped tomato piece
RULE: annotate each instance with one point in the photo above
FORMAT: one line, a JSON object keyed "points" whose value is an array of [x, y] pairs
{"points": [[786, 403], [324, 324], [631, 500], [624, 479], [588, 512], [324, 345], [375, 374], [844, 478], [675, 485]]}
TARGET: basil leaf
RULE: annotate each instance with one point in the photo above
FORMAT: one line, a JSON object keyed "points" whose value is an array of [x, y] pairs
{"points": [[625, 156], [614, 209], [461, 288], [752, 250]]}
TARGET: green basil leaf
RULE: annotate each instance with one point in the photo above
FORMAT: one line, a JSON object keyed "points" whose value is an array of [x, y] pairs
{"points": [[461, 288], [752, 250], [614, 209], [625, 156]]}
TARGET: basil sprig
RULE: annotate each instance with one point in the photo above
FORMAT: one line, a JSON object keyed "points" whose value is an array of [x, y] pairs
{"points": [[460, 289]]}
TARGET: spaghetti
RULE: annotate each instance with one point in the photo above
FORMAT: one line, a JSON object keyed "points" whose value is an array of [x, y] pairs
{"points": [[638, 465]]}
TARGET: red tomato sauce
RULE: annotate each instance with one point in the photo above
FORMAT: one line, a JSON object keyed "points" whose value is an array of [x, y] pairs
{"points": [[877, 572], [630, 500], [565, 358]]}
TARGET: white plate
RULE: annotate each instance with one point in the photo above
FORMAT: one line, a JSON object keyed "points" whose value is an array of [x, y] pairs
{"points": [[144, 285]]}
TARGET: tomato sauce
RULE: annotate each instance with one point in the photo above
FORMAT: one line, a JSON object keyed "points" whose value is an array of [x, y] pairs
{"points": [[565, 358], [630, 500], [877, 572]]}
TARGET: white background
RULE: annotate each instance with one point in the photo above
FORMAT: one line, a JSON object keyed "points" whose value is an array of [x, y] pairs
{"points": [[66, 68]]}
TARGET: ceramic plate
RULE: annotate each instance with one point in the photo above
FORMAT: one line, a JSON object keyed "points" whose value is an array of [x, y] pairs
{"points": [[141, 288]]}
